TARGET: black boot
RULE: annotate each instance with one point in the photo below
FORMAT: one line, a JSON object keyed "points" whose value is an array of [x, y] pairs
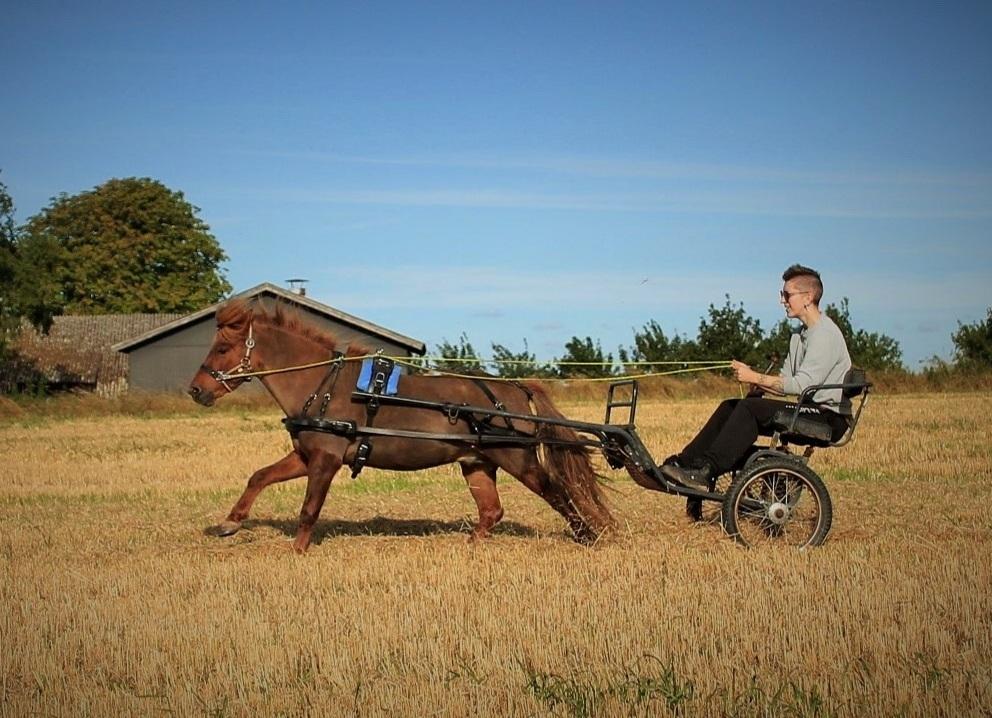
{"points": [[701, 477]]}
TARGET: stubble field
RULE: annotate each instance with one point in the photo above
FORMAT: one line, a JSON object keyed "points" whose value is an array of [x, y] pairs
{"points": [[114, 599]]}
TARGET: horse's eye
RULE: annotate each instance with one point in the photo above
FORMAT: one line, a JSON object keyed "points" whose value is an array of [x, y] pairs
{"points": [[223, 349]]}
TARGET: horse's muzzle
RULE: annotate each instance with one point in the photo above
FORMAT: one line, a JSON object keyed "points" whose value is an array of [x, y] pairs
{"points": [[200, 396]]}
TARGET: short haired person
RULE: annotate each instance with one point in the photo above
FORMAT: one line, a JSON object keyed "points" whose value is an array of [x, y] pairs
{"points": [[817, 355]]}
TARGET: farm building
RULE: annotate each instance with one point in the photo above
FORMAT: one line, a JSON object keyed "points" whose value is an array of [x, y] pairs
{"points": [[76, 352], [109, 353], [166, 357]]}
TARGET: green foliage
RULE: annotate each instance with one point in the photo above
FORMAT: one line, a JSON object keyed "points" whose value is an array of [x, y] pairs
{"points": [[973, 344], [129, 245], [6, 218], [39, 292], [460, 358], [584, 350], [868, 350], [9, 317], [514, 365], [641, 689], [577, 698], [787, 699], [728, 332], [652, 344], [28, 289], [774, 346]]}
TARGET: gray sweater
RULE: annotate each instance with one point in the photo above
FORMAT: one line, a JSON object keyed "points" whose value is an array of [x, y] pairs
{"points": [[818, 355]]}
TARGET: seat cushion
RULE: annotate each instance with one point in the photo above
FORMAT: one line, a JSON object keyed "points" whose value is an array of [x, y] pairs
{"points": [[809, 429]]}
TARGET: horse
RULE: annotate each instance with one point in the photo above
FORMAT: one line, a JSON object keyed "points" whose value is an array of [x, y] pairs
{"points": [[250, 338]]}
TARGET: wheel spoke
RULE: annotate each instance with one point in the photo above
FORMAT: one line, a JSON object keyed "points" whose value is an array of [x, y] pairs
{"points": [[772, 505]]}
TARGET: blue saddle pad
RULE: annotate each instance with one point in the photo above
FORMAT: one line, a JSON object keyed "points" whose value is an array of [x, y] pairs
{"points": [[364, 382]]}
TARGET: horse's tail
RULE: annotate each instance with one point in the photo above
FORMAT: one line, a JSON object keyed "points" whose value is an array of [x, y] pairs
{"points": [[570, 470]]}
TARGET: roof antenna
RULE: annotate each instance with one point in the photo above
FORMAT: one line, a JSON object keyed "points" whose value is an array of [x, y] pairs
{"points": [[296, 286]]}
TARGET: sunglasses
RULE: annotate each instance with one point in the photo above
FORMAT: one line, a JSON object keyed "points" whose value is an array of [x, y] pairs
{"points": [[789, 295]]}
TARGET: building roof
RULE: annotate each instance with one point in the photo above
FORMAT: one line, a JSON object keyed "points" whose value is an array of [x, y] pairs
{"points": [[77, 348], [415, 346]]}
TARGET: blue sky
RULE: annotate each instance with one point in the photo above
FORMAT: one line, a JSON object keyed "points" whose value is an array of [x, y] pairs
{"points": [[537, 170]]}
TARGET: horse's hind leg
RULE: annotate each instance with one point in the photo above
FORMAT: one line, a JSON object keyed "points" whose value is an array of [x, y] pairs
{"points": [[481, 478], [288, 467]]}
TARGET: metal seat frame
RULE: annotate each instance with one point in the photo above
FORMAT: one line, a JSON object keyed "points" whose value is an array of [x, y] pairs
{"points": [[782, 439]]}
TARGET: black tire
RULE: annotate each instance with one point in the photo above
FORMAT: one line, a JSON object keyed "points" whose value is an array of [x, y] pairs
{"points": [[778, 501]]}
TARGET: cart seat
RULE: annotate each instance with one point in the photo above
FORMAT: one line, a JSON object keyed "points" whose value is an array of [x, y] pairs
{"points": [[794, 427], [804, 430]]}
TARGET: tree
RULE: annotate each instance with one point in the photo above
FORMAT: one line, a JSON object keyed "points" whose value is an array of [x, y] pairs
{"points": [[9, 317], [728, 332], [28, 289], [651, 344], [973, 344], [459, 358], [583, 350], [516, 365], [130, 245], [774, 347], [868, 350]]}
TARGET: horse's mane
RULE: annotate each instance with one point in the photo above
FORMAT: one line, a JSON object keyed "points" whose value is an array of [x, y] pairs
{"points": [[234, 316]]}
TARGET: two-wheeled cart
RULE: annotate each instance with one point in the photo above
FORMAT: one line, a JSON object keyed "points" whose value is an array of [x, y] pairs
{"points": [[771, 496]]}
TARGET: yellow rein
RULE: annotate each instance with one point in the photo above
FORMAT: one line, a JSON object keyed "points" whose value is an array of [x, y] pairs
{"points": [[705, 366]]}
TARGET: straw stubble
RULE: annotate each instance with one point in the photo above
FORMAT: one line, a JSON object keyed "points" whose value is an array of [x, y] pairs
{"points": [[115, 599]]}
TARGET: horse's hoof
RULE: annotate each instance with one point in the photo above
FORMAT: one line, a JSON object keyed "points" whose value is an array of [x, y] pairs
{"points": [[227, 528]]}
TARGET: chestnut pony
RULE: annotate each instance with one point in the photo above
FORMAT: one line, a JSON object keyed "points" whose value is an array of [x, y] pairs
{"points": [[250, 337]]}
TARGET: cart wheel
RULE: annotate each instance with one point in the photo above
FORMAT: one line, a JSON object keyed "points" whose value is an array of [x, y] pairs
{"points": [[708, 511], [778, 500]]}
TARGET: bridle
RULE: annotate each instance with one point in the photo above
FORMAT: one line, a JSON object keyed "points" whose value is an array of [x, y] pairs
{"points": [[244, 366]]}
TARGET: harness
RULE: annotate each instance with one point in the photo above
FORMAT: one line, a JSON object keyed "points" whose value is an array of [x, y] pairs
{"points": [[243, 367], [378, 383], [377, 375], [485, 424], [332, 375]]}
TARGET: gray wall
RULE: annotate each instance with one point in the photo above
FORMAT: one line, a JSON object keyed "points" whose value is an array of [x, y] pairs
{"points": [[169, 363]]}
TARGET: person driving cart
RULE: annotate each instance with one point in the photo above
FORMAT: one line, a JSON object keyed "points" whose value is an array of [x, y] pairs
{"points": [[817, 355]]}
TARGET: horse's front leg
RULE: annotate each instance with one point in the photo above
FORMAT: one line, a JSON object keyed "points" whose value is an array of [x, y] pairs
{"points": [[320, 471], [288, 467], [481, 479]]}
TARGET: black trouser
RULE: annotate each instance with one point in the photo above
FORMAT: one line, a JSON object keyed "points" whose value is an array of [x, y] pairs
{"points": [[736, 424]]}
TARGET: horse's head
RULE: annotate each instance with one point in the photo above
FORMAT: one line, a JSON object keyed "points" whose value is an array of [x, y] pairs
{"points": [[229, 355]]}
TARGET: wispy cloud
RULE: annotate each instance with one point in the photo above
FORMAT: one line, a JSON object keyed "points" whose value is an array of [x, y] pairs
{"points": [[782, 202], [741, 192], [591, 166], [479, 288]]}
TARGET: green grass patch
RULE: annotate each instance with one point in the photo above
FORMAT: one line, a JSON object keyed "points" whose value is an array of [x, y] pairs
{"points": [[391, 483], [649, 687]]}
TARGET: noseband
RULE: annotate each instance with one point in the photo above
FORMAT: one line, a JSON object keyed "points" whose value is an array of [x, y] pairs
{"points": [[243, 367]]}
